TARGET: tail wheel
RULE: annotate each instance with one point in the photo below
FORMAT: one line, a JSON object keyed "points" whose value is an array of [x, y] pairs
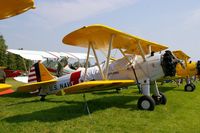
{"points": [[160, 100], [189, 87], [42, 98], [146, 103]]}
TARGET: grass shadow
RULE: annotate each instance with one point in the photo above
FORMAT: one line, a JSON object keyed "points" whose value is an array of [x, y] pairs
{"points": [[19, 95], [166, 88], [75, 110], [24, 102], [105, 92]]}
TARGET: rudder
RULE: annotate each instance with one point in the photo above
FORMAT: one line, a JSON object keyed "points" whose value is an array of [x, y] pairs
{"points": [[38, 73]]}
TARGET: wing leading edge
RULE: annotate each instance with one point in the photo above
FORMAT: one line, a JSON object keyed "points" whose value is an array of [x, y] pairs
{"points": [[91, 86], [100, 35]]}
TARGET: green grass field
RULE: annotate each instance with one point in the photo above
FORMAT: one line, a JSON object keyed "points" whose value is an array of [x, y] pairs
{"points": [[110, 112]]}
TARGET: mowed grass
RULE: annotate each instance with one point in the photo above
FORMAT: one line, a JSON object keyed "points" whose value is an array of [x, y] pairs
{"points": [[110, 112]]}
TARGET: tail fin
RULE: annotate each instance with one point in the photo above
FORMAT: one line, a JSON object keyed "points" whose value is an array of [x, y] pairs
{"points": [[38, 73]]}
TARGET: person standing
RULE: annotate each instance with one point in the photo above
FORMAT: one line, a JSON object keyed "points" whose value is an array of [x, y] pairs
{"points": [[2, 75]]}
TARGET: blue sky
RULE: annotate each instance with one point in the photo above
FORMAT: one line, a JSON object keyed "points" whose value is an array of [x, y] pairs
{"points": [[175, 23]]}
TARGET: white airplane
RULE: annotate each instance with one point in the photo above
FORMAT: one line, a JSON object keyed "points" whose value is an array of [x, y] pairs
{"points": [[131, 69], [49, 59], [44, 55]]}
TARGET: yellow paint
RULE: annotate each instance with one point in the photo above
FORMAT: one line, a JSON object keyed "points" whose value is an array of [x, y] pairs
{"points": [[44, 73], [181, 55], [190, 70], [9, 8], [190, 67], [31, 87], [100, 35], [4, 87], [46, 79], [97, 86]]}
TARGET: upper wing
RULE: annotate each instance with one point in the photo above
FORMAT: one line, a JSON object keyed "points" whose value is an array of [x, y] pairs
{"points": [[42, 55], [181, 55], [11, 8], [100, 36], [97, 86], [34, 86], [33, 55], [4, 87]]}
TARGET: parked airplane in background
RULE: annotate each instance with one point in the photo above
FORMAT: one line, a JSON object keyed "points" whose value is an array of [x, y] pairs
{"points": [[128, 70], [5, 89], [191, 69], [10, 8], [50, 60]]}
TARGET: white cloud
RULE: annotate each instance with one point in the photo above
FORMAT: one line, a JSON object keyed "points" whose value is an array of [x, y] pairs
{"points": [[63, 11]]}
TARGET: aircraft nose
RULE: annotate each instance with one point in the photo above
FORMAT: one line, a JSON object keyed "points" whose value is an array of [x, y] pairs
{"points": [[169, 63]]}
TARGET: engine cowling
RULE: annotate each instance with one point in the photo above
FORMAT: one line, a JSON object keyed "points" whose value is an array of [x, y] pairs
{"points": [[169, 63]]}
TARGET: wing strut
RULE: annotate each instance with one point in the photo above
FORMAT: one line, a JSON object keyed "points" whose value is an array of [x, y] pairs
{"points": [[87, 59], [97, 61], [108, 56], [134, 72], [141, 50], [150, 50]]}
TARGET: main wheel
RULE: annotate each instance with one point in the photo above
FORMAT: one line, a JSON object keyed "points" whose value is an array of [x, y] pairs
{"points": [[193, 85], [146, 103], [189, 87], [160, 100]]}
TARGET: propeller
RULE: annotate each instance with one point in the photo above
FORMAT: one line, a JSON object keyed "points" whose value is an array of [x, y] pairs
{"points": [[198, 67], [169, 62]]}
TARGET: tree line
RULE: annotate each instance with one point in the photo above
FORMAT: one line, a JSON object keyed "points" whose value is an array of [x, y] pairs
{"points": [[9, 60]]}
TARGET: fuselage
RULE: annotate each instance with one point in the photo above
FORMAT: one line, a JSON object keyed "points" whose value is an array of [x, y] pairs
{"points": [[120, 69]]}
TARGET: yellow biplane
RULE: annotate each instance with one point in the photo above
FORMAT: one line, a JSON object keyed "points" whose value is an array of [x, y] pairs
{"points": [[11, 8], [4, 88], [131, 69], [191, 69]]}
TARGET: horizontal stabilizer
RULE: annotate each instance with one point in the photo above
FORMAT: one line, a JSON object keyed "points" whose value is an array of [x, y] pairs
{"points": [[35, 85]]}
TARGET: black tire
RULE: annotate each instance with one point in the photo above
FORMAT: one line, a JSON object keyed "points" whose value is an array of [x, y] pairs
{"points": [[160, 100], [193, 85], [189, 87], [42, 98], [146, 103]]}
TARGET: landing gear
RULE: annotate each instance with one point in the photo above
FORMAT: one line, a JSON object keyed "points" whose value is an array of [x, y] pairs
{"points": [[193, 85], [160, 99], [42, 98], [146, 103], [190, 87]]}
